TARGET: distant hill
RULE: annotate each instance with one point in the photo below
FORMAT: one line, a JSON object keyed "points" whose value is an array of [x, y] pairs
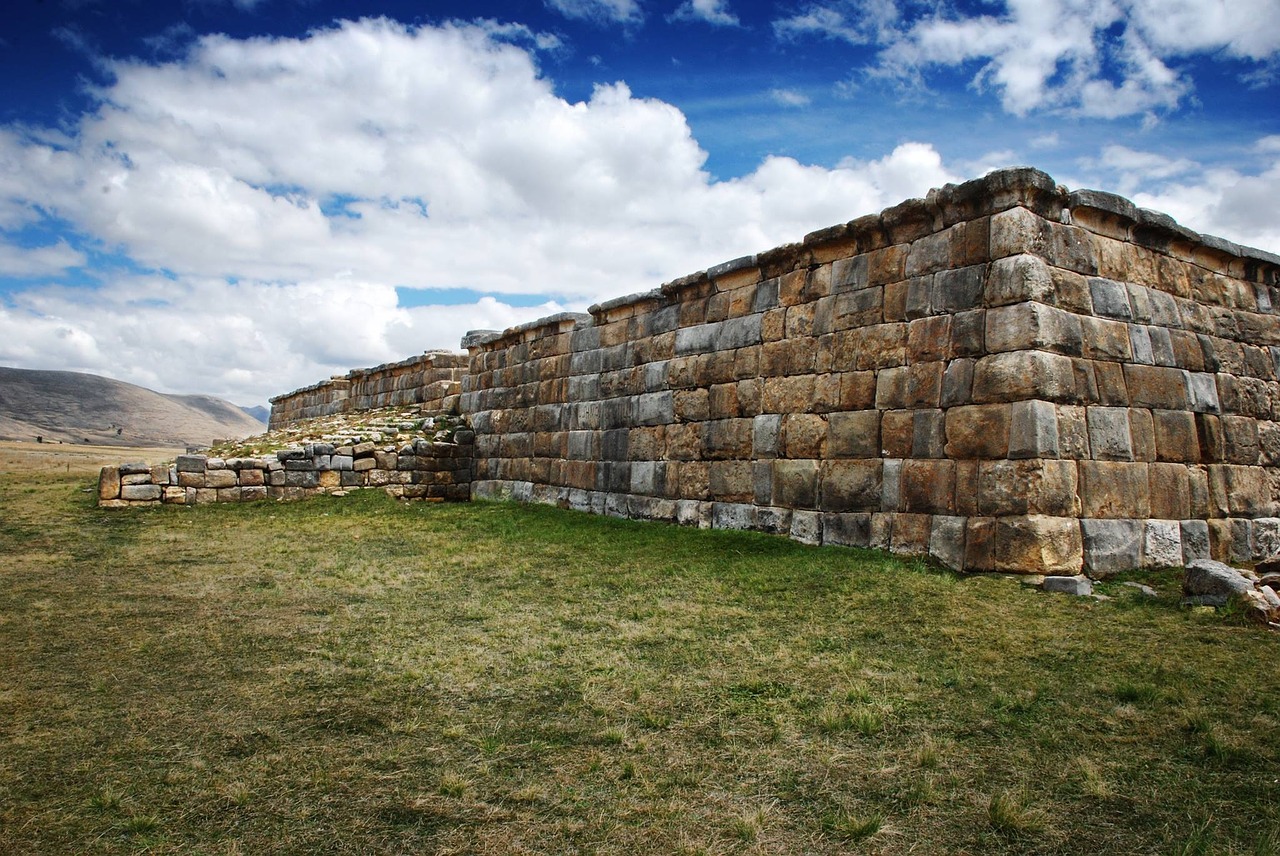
{"points": [[74, 408], [262, 414]]}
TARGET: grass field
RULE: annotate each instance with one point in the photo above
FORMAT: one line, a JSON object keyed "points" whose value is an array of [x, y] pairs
{"points": [[363, 676]]}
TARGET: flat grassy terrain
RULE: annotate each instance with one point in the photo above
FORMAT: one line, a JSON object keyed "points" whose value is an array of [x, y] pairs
{"points": [[359, 675]]}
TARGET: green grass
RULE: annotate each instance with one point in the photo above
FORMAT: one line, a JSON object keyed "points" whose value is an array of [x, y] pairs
{"points": [[361, 675]]}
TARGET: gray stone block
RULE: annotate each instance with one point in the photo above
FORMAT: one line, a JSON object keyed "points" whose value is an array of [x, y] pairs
{"points": [[1033, 430], [732, 515], [847, 529], [1110, 299], [141, 492], [190, 463], [1111, 546], [1140, 342], [1162, 544], [1109, 435], [1207, 577], [946, 540], [1195, 540], [806, 527], [765, 431], [1078, 585]]}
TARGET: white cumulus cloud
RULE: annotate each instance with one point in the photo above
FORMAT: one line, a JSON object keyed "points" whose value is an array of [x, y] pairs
{"points": [[715, 12]]}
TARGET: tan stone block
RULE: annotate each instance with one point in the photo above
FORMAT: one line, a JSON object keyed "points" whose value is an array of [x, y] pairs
{"points": [[1021, 375], [911, 533], [928, 486], [918, 385], [684, 441], [897, 433], [967, 488], [109, 483], [853, 485], [694, 479], [1037, 545], [857, 390], [791, 287], [786, 394], [646, 444], [1143, 435], [929, 339], [773, 325], [692, 405], [1114, 489], [895, 301], [222, 479], [804, 435], [1246, 396], [1073, 432], [1105, 339], [1033, 326], [1175, 436], [882, 346], [1044, 486], [1110, 384], [228, 494], [1269, 443], [795, 483], [174, 495], [326, 479], [826, 393], [731, 481], [1170, 492], [1213, 448], [1017, 279], [1187, 353], [978, 431], [249, 478], [1240, 439], [979, 544], [854, 434], [723, 401], [726, 439], [887, 265], [1248, 492], [1156, 387]]}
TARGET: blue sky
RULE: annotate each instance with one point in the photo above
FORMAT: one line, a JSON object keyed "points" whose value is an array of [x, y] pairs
{"points": [[240, 197]]}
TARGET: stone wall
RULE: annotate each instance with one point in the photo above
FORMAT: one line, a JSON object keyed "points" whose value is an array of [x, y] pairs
{"points": [[431, 379], [420, 470], [1005, 375]]}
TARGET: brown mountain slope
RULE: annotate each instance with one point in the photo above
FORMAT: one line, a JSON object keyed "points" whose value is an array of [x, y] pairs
{"points": [[75, 408]]}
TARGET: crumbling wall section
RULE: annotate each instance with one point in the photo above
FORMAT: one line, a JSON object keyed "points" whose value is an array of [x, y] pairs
{"points": [[432, 380], [1004, 375]]}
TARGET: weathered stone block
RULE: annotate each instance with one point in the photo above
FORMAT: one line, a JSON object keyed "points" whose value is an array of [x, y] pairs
{"points": [[978, 431], [854, 434], [928, 487], [947, 540], [1170, 491], [1162, 543], [1110, 438], [1111, 546], [141, 492], [897, 433], [1033, 430], [1017, 279], [190, 463], [852, 485], [1156, 387], [1020, 375], [109, 483], [928, 434], [1195, 540], [1033, 326], [806, 527], [911, 534], [847, 530], [1114, 489], [1039, 486], [795, 483], [804, 435], [1037, 545]]}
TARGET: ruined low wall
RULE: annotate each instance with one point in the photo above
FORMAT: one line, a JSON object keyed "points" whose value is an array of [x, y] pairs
{"points": [[419, 470], [431, 380], [1005, 375]]}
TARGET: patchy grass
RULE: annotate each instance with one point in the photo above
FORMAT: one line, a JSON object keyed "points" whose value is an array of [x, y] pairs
{"points": [[359, 675]]}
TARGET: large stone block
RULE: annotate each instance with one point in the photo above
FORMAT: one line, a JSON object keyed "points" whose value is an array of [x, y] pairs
{"points": [[795, 483], [854, 434], [109, 483], [1017, 279], [1156, 387], [852, 485], [928, 486], [1114, 489], [1033, 430], [1111, 546], [1170, 491], [1110, 438], [804, 435], [141, 492], [1033, 326], [1021, 375], [978, 431], [1037, 545], [847, 530], [1040, 486], [1175, 436]]}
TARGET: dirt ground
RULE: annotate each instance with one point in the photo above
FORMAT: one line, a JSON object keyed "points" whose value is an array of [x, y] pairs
{"points": [[25, 457]]}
